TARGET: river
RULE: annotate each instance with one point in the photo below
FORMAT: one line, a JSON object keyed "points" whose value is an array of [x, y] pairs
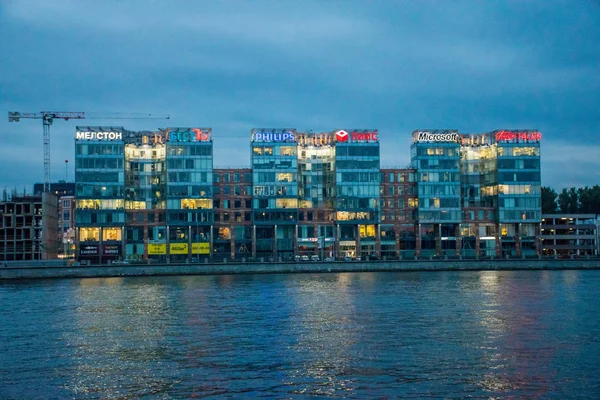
{"points": [[497, 334]]}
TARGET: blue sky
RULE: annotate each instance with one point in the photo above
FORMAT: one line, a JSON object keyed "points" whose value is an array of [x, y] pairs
{"points": [[233, 65]]}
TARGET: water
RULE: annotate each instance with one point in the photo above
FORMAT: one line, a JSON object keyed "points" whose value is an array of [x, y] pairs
{"points": [[532, 334]]}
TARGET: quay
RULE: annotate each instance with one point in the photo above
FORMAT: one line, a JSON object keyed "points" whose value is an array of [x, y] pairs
{"points": [[52, 271]]}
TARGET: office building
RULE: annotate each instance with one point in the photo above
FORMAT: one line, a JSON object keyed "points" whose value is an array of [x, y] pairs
{"points": [[154, 196], [143, 195]]}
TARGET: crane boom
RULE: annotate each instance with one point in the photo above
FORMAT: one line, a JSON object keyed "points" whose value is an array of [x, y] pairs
{"points": [[48, 117]]}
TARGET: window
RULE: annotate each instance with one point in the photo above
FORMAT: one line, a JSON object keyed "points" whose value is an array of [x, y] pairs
{"points": [[287, 150], [111, 234], [236, 177], [89, 234], [286, 203]]}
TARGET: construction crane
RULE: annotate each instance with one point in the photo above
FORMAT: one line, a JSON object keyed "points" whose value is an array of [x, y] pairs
{"points": [[48, 117]]}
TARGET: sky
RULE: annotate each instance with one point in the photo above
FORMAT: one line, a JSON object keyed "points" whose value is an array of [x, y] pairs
{"points": [[396, 66]]}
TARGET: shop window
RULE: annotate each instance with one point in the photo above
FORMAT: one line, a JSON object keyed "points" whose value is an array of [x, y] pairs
{"points": [[111, 234], [89, 234]]}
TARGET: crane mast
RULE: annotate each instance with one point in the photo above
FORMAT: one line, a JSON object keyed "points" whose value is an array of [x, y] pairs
{"points": [[48, 117]]}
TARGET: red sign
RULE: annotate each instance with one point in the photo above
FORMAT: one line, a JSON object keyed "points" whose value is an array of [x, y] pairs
{"points": [[525, 136], [341, 136], [364, 135]]}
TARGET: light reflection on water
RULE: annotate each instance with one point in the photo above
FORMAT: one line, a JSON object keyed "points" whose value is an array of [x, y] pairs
{"points": [[422, 335]]}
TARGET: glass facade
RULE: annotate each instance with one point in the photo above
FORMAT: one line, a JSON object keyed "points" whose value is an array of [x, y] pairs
{"points": [[519, 191], [437, 163], [357, 172], [316, 194], [154, 196], [100, 194], [143, 195], [275, 184]]}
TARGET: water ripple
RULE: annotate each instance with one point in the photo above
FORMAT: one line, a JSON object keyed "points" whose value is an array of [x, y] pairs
{"points": [[377, 335]]}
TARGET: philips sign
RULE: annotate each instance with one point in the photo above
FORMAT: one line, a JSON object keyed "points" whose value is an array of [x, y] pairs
{"points": [[273, 136], [99, 135], [435, 136]]}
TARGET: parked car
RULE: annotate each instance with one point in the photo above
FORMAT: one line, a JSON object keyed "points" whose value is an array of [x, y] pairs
{"points": [[329, 259], [297, 258], [120, 262], [305, 258], [315, 258]]}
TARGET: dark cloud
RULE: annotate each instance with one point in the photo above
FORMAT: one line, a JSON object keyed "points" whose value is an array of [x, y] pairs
{"points": [[396, 66]]}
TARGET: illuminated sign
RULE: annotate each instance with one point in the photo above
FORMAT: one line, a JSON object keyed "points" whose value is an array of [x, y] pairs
{"points": [[178, 248], [99, 135], [364, 136], [435, 136], [341, 136], [520, 136], [189, 135], [157, 249], [273, 135], [200, 248], [88, 249], [357, 136], [111, 249]]}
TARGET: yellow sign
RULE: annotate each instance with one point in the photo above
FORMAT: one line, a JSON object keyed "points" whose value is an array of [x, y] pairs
{"points": [[178, 248], [155, 249], [200, 248]]}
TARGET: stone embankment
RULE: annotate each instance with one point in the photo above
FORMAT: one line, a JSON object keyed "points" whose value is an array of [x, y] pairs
{"points": [[54, 271]]}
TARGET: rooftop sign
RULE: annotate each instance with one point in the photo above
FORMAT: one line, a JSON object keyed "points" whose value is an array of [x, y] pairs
{"points": [[273, 135], [526, 136], [89, 135], [436, 136], [188, 134], [367, 135]]}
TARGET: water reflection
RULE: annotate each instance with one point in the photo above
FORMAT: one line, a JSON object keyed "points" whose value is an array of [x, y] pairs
{"points": [[421, 335], [119, 337]]}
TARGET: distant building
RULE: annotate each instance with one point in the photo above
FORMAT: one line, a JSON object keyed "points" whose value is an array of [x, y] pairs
{"points": [[570, 234], [232, 201], [60, 188], [397, 231], [28, 228], [66, 226], [65, 235]]}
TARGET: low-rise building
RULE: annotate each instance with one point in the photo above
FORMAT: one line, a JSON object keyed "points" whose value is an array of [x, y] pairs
{"points": [[566, 235]]}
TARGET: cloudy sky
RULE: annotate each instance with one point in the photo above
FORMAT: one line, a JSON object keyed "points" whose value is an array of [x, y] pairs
{"points": [[234, 65]]}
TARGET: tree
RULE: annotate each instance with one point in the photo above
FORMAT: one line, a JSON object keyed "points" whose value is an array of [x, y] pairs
{"points": [[549, 197], [589, 199], [568, 201]]}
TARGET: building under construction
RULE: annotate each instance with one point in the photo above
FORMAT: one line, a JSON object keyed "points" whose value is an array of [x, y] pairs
{"points": [[28, 226]]}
